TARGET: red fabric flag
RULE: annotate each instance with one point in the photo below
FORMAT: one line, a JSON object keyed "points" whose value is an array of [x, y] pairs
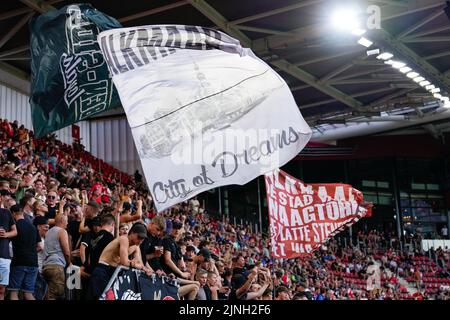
{"points": [[75, 132], [304, 216]]}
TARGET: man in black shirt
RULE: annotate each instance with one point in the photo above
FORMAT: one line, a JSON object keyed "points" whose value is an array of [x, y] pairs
{"points": [[172, 253], [24, 264], [52, 200], [8, 230], [152, 247], [100, 241]]}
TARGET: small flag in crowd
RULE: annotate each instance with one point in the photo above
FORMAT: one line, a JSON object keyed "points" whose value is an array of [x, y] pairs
{"points": [[70, 81], [304, 216], [204, 111]]}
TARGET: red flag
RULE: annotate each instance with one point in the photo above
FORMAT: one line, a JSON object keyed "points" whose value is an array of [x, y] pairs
{"points": [[304, 216], [75, 132]]}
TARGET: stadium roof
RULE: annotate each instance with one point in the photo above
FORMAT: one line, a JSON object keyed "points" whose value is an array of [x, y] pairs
{"points": [[334, 80]]}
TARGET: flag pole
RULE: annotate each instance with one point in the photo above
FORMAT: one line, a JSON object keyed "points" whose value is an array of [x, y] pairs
{"points": [[259, 205], [220, 201]]}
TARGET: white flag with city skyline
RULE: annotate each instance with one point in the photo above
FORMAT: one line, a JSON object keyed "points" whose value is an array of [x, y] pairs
{"points": [[204, 111]]}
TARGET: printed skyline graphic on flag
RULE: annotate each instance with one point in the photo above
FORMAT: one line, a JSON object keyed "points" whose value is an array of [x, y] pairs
{"points": [[204, 111]]}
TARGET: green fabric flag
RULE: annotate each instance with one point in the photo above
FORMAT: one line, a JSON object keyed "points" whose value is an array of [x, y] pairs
{"points": [[70, 79]]}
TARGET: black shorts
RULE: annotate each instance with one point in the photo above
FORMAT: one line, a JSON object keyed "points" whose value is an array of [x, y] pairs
{"points": [[100, 278]]}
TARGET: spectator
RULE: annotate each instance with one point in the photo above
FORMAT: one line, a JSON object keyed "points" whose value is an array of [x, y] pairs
{"points": [[24, 264], [152, 247], [118, 252], [282, 293], [41, 223], [8, 230], [40, 208], [26, 204], [57, 257]]}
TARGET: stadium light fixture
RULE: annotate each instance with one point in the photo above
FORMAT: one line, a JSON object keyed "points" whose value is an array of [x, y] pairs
{"points": [[424, 83], [358, 32], [435, 90], [398, 64], [405, 69], [385, 56], [412, 75], [373, 52], [430, 87], [365, 42], [437, 96], [346, 19], [419, 79]]}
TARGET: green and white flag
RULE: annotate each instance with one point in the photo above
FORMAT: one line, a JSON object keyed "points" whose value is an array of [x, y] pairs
{"points": [[70, 81]]}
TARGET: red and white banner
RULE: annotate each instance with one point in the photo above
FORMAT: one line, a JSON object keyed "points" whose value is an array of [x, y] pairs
{"points": [[304, 216]]}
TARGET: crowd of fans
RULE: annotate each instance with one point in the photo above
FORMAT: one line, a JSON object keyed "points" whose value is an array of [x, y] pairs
{"points": [[372, 268], [61, 207]]}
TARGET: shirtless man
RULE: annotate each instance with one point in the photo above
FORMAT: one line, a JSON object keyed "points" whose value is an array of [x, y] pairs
{"points": [[118, 252]]}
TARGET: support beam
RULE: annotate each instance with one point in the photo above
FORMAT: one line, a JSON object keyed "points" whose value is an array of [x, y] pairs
{"points": [[364, 81], [38, 6], [305, 86], [153, 11], [13, 58], [437, 55], [384, 99], [320, 30], [430, 71], [356, 95], [263, 30], [421, 23], [391, 12], [314, 82], [327, 57], [426, 39], [283, 65], [15, 29], [363, 73], [266, 14], [397, 3], [220, 21], [14, 51], [18, 12], [428, 32], [341, 69]]}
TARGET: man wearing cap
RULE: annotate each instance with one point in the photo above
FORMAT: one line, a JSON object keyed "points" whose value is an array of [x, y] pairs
{"points": [[118, 252], [90, 211], [172, 253], [8, 230]]}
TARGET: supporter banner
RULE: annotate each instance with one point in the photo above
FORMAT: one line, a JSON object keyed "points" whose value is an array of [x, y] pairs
{"points": [[69, 78], [204, 112], [135, 285], [304, 216]]}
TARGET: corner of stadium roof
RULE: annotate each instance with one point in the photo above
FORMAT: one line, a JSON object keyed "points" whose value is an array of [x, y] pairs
{"points": [[389, 77]]}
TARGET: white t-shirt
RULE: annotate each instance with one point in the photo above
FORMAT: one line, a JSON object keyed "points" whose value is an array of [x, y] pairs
{"points": [[41, 256]]}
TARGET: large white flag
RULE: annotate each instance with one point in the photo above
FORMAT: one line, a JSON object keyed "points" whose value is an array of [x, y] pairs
{"points": [[204, 112]]}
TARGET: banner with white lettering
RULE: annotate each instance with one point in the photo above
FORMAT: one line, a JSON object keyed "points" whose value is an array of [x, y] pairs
{"points": [[70, 81], [204, 111], [304, 216], [135, 285]]}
